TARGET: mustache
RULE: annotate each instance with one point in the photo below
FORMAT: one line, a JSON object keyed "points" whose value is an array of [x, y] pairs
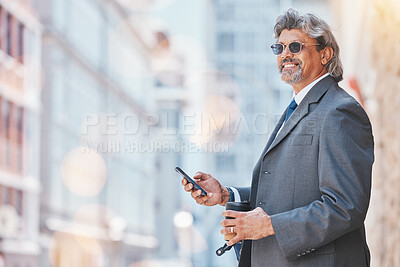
{"points": [[290, 60]]}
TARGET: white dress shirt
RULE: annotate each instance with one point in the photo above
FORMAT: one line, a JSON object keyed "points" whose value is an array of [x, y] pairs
{"points": [[300, 96]]}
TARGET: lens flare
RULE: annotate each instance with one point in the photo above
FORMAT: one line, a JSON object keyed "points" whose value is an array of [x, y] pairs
{"points": [[69, 250], [147, 263], [84, 172]]}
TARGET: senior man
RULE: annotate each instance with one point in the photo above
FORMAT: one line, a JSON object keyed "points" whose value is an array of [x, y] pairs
{"points": [[311, 186]]}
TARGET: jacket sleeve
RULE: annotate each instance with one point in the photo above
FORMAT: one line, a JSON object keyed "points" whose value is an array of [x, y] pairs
{"points": [[244, 193], [344, 172]]}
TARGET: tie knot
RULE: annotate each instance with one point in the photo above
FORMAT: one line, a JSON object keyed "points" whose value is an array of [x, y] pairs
{"points": [[293, 104]]}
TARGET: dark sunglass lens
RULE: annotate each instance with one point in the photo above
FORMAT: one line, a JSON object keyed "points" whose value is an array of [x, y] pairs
{"points": [[295, 47], [277, 49]]}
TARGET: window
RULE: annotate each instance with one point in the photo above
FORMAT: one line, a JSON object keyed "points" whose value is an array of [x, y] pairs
{"points": [[5, 112], [226, 162], [11, 35], [20, 54], [19, 138], [10, 192], [11, 135], [1, 115], [19, 117], [86, 37], [226, 67], [18, 202], [5, 195], [225, 42], [169, 79], [169, 118], [8, 34], [1, 28], [226, 12], [249, 42]]}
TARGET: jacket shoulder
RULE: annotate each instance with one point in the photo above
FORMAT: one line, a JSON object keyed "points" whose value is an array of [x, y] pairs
{"points": [[337, 100]]}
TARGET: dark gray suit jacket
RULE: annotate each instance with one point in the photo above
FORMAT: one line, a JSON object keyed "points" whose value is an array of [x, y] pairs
{"points": [[314, 179]]}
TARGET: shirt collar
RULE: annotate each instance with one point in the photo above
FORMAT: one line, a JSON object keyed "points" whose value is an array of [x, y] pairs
{"points": [[300, 96]]}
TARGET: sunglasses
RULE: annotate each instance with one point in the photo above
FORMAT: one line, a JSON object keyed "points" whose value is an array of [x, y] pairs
{"points": [[294, 47]]}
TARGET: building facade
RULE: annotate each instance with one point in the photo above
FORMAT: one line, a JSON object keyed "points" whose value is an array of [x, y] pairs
{"points": [[20, 108], [97, 202], [368, 32]]}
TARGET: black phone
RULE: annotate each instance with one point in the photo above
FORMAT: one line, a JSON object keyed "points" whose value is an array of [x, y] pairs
{"points": [[190, 180]]}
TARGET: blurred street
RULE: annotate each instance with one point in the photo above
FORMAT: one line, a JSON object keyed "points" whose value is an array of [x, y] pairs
{"points": [[100, 100]]}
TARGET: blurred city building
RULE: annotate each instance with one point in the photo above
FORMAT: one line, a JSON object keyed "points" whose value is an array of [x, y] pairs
{"points": [[124, 101], [369, 38], [97, 203], [170, 94], [20, 109]]}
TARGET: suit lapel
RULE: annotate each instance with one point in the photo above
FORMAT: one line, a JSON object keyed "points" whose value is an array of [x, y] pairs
{"points": [[300, 112], [254, 184], [274, 133], [294, 119]]}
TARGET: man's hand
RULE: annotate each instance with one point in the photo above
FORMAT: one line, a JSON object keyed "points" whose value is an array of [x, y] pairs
{"points": [[253, 225], [216, 193]]}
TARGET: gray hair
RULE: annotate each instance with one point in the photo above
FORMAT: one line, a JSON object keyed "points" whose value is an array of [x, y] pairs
{"points": [[315, 28]]}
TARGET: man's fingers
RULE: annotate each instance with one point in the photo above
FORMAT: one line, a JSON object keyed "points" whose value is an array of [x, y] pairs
{"points": [[188, 187], [228, 222], [201, 176], [202, 199], [184, 181], [198, 175], [196, 193], [227, 230], [232, 213], [234, 240]]}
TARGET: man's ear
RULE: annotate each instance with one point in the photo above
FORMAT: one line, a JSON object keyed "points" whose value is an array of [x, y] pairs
{"points": [[326, 55]]}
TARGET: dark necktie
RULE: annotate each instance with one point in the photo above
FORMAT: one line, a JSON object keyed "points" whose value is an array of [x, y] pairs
{"points": [[291, 108]]}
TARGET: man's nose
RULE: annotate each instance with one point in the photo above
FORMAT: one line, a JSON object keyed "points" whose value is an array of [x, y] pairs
{"points": [[286, 53]]}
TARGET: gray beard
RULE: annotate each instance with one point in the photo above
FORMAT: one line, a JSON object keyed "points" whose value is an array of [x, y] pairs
{"points": [[295, 77]]}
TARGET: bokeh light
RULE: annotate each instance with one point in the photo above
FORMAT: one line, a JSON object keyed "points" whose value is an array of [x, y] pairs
{"points": [[66, 249], [183, 219], [147, 263], [84, 172]]}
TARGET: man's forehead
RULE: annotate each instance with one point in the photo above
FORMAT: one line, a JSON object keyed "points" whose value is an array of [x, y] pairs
{"points": [[293, 35]]}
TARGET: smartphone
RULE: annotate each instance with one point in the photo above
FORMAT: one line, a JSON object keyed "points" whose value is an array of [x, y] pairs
{"points": [[190, 180]]}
